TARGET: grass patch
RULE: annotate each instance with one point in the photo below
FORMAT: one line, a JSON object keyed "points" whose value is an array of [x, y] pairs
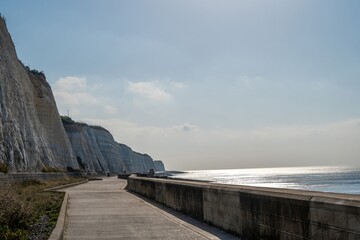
{"points": [[47, 169], [27, 212]]}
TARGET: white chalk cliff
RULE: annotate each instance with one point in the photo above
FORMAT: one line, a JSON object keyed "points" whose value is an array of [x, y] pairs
{"points": [[31, 132], [97, 151], [159, 166], [32, 135]]}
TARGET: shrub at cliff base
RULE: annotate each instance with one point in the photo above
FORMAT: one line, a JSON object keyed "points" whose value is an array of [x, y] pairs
{"points": [[27, 212], [47, 169], [3, 168]]}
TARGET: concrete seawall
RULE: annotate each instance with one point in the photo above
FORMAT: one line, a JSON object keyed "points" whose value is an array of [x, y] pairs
{"points": [[37, 176], [20, 177], [258, 213]]}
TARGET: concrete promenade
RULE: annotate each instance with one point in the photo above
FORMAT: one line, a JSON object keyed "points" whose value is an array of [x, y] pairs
{"points": [[104, 210]]}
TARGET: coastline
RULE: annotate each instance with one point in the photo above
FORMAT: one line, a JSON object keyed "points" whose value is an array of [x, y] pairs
{"points": [[319, 179]]}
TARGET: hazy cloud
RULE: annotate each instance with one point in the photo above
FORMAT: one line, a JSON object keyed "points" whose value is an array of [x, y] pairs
{"points": [[72, 91], [71, 83], [150, 90], [76, 95], [75, 99]]}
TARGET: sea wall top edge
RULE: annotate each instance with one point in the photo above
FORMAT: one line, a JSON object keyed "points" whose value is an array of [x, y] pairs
{"points": [[314, 196]]}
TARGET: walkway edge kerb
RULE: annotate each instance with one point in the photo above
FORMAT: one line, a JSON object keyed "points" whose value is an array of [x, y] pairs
{"points": [[54, 189], [58, 232]]}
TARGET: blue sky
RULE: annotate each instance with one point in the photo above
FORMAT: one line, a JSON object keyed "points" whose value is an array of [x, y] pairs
{"points": [[204, 84]]}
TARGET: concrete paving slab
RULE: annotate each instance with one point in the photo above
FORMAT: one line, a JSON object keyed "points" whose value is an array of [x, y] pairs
{"points": [[104, 210]]}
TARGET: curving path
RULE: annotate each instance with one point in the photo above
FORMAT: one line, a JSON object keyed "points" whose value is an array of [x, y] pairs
{"points": [[104, 210]]}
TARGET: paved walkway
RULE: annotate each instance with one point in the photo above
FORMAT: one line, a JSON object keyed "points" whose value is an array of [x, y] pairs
{"points": [[104, 210]]}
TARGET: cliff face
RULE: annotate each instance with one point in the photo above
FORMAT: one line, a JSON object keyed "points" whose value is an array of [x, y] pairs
{"points": [[88, 154], [97, 151], [135, 162], [159, 166], [31, 132]]}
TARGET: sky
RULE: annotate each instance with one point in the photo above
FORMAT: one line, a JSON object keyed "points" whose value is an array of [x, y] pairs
{"points": [[204, 84]]}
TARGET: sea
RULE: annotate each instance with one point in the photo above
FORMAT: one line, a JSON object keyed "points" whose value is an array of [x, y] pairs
{"points": [[338, 179]]}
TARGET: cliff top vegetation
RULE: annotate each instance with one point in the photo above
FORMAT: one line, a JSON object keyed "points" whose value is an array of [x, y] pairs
{"points": [[3, 17], [99, 128], [66, 120], [33, 71]]}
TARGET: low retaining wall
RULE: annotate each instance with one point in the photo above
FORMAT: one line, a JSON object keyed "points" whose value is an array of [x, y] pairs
{"points": [[258, 213], [58, 232], [58, 188], [124, 175], [20, 177]]}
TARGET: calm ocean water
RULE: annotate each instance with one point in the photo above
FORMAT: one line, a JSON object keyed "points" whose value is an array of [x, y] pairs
{"points": [[325, 179]]}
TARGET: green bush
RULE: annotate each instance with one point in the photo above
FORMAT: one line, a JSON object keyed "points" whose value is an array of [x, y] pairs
{"points": [[33, 71], [15, 212], [3, 168], [66, 120], [37, 72], [3, 17]]}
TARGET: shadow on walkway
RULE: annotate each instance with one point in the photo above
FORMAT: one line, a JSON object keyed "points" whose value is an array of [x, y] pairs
{"points": [[185, 220]]}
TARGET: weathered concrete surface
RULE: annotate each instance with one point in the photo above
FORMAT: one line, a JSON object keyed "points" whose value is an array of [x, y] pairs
{"points": [[104, 210], [259, 213]]}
